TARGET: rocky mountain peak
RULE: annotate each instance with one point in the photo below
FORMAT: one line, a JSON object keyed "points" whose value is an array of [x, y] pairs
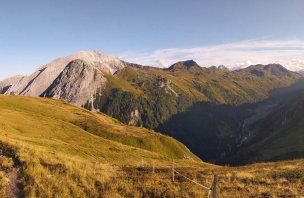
{"points": [[36, 83], [223, 67], [276, 69], [190, 63], [77, 83], [102, 60], [272, 69], [184, 65]]}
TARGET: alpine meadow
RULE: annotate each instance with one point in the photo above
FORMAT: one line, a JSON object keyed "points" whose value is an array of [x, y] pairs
{"points": [[138, 99]]}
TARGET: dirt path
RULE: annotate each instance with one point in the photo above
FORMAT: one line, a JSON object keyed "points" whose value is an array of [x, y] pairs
{"points": [[14, 185]]}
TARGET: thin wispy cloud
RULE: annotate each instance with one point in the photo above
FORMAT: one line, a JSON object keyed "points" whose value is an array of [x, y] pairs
{"points": [[289, 53]]}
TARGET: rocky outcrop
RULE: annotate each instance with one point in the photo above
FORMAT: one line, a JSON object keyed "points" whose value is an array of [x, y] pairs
{"points": [[135, 118], [77, 83], [165, 84]]}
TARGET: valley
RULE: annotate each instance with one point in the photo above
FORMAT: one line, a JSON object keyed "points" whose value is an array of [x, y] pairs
{"points": [[235, 134]]}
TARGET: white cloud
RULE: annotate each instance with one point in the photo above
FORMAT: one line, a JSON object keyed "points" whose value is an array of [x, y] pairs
{"points": [[289, 53]]}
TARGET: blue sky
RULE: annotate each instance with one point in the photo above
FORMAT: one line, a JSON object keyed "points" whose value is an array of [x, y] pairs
{"points": [[34, 32]]}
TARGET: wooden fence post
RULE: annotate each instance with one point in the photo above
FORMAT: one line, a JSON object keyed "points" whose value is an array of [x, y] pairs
{"points": [[94, 168], [214, 186], [153, 170], [173, 171]]}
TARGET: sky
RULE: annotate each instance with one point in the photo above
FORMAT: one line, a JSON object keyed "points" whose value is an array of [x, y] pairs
{"points": [[235, 33]]}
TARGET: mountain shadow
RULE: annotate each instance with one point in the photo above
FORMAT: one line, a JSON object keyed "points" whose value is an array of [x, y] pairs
{"points": [[226, 134]]}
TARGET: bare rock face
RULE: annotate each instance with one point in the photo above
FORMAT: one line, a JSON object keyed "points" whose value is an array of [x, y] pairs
{"points": [[135, 117], [165, 84], [74, 78], [6, 84], [36, 83], [77, 83]]}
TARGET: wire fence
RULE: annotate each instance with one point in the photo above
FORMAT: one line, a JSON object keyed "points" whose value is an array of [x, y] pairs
{"points": [[212, 190]]}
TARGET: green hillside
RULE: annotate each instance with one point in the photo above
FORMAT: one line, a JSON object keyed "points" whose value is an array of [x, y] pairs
{"points": [[49, 133], [269, 130], [277, 131], [42, 118], [158, 94]]}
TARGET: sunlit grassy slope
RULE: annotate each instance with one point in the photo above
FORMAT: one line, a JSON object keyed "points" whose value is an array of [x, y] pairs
{"points": [[50, 132], [66, 151], [56, 124]]}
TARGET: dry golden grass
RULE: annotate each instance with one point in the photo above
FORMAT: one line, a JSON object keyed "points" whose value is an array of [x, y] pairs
{"points": [[3, 184], [48, 175]]}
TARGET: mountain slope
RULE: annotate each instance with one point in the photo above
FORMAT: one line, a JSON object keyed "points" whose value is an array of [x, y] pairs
{"points": [[279, 134], [6, 84], [51, 118], [65, 151], [55, 140], [264, 131], [76, 82], [158, 94]]}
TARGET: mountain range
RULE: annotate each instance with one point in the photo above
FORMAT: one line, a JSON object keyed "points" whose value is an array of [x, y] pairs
{"points": [[217, 113]]}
